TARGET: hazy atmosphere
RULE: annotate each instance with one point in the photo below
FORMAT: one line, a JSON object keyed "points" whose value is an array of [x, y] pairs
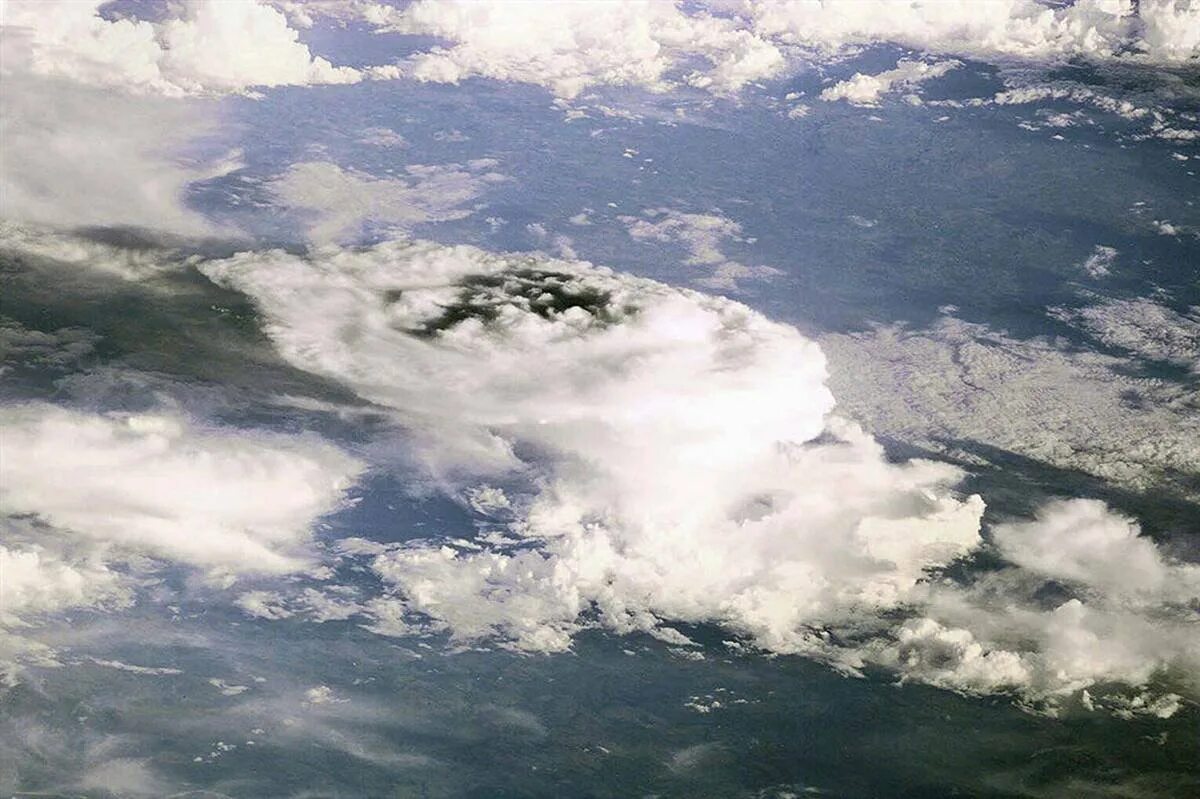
{"points": [[599, 398]]}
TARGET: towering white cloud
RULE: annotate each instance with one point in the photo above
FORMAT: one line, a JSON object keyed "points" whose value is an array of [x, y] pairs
{"points": [[639, 455], [686, 466], [207, 47]]}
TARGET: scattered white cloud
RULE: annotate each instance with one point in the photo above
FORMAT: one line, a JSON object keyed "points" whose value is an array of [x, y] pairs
{"points": [[153, 671], [1147, 329], [263, 605], [227, 689], [702, 235], [867, 90], [1042, 398], [320, 695], [203, 47], [338, 202], [1100, 262]]}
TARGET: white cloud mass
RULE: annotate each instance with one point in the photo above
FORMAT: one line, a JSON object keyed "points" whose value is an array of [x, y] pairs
{"points": [[207, 47], [666, 456], [160, 485], [52, 173], [722, 46], [569, 46]]}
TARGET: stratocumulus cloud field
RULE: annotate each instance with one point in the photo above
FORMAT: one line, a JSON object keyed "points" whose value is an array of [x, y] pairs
{"points": [[746, 399]]}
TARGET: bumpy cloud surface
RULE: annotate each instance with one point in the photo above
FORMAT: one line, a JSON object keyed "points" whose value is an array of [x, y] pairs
{"points": [[639, 455], [679, 468], [208, 48], [1162, 31], [569, 46]]}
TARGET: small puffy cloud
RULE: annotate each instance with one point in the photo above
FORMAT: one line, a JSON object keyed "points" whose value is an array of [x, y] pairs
{"points": [[160, 485], [205, 47], [263, 605], [381, 137], [338, 202], [868, 89], [1100, 262]]}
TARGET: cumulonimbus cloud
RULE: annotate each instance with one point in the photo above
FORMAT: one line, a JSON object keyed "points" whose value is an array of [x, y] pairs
{"points": [[643, 455]]}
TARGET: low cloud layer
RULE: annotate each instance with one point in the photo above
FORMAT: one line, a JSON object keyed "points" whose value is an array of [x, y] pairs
{"points": [[1042, 398]]}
